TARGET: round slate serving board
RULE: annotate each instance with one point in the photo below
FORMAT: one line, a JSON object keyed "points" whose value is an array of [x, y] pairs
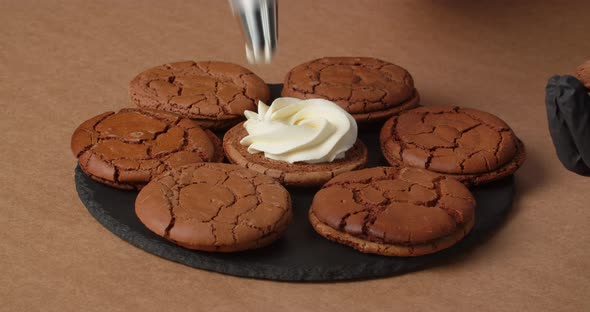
{"points": [[302, 254]]}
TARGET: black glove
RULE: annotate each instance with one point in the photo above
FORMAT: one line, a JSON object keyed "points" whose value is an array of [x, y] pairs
{"points": [[568, 112]]}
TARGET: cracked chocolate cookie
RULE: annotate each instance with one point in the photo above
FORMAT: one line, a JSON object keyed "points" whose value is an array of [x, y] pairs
{"points": [[215, 207], [126, 149], [214, 94], [582, 72], [296, 174], [471, 146], [393, 212], [367, 88]]}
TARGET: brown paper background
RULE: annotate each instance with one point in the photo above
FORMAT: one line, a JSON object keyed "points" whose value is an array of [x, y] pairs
{"points": [[62, 62]]}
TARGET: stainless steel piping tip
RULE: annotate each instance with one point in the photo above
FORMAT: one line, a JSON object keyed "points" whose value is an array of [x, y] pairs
{"points": [[258, 20]]}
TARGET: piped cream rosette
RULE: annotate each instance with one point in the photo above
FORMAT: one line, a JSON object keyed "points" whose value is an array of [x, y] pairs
{"points": [[293, 130]]}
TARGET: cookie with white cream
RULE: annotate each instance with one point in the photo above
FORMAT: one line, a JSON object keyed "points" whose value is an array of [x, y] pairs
{"points": [[298, 142]]}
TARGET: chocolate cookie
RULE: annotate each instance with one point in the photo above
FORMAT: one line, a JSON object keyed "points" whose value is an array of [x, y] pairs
{"points": [[215, 207], [296, 174], [583, 73], [215, 94], [367, 88], [469, 145], [126, 149], [393, 212]]}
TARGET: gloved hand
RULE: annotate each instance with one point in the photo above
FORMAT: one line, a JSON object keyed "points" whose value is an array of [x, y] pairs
{"points": [[568, 113]]}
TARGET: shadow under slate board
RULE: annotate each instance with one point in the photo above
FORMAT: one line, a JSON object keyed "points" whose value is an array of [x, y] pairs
{"points": [[302, 254]]}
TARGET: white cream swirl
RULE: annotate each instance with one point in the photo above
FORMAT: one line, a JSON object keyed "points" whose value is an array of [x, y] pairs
{"points": [[294, 130]]}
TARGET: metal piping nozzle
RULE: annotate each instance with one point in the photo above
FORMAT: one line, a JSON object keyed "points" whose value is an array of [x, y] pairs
{"points": [[259, 22]]}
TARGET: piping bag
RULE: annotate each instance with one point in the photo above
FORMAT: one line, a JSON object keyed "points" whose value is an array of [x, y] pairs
{"points": [[258, 20]]}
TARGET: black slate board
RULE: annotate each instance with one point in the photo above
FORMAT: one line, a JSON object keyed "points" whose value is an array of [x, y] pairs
{"points": [[301, 255]]}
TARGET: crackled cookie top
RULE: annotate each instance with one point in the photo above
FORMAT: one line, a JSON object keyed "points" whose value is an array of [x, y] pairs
{"points": [[582, 72], [199, 90], [126, 149], [215, 207], [358, 84], [448, 139], [394, 206]]}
